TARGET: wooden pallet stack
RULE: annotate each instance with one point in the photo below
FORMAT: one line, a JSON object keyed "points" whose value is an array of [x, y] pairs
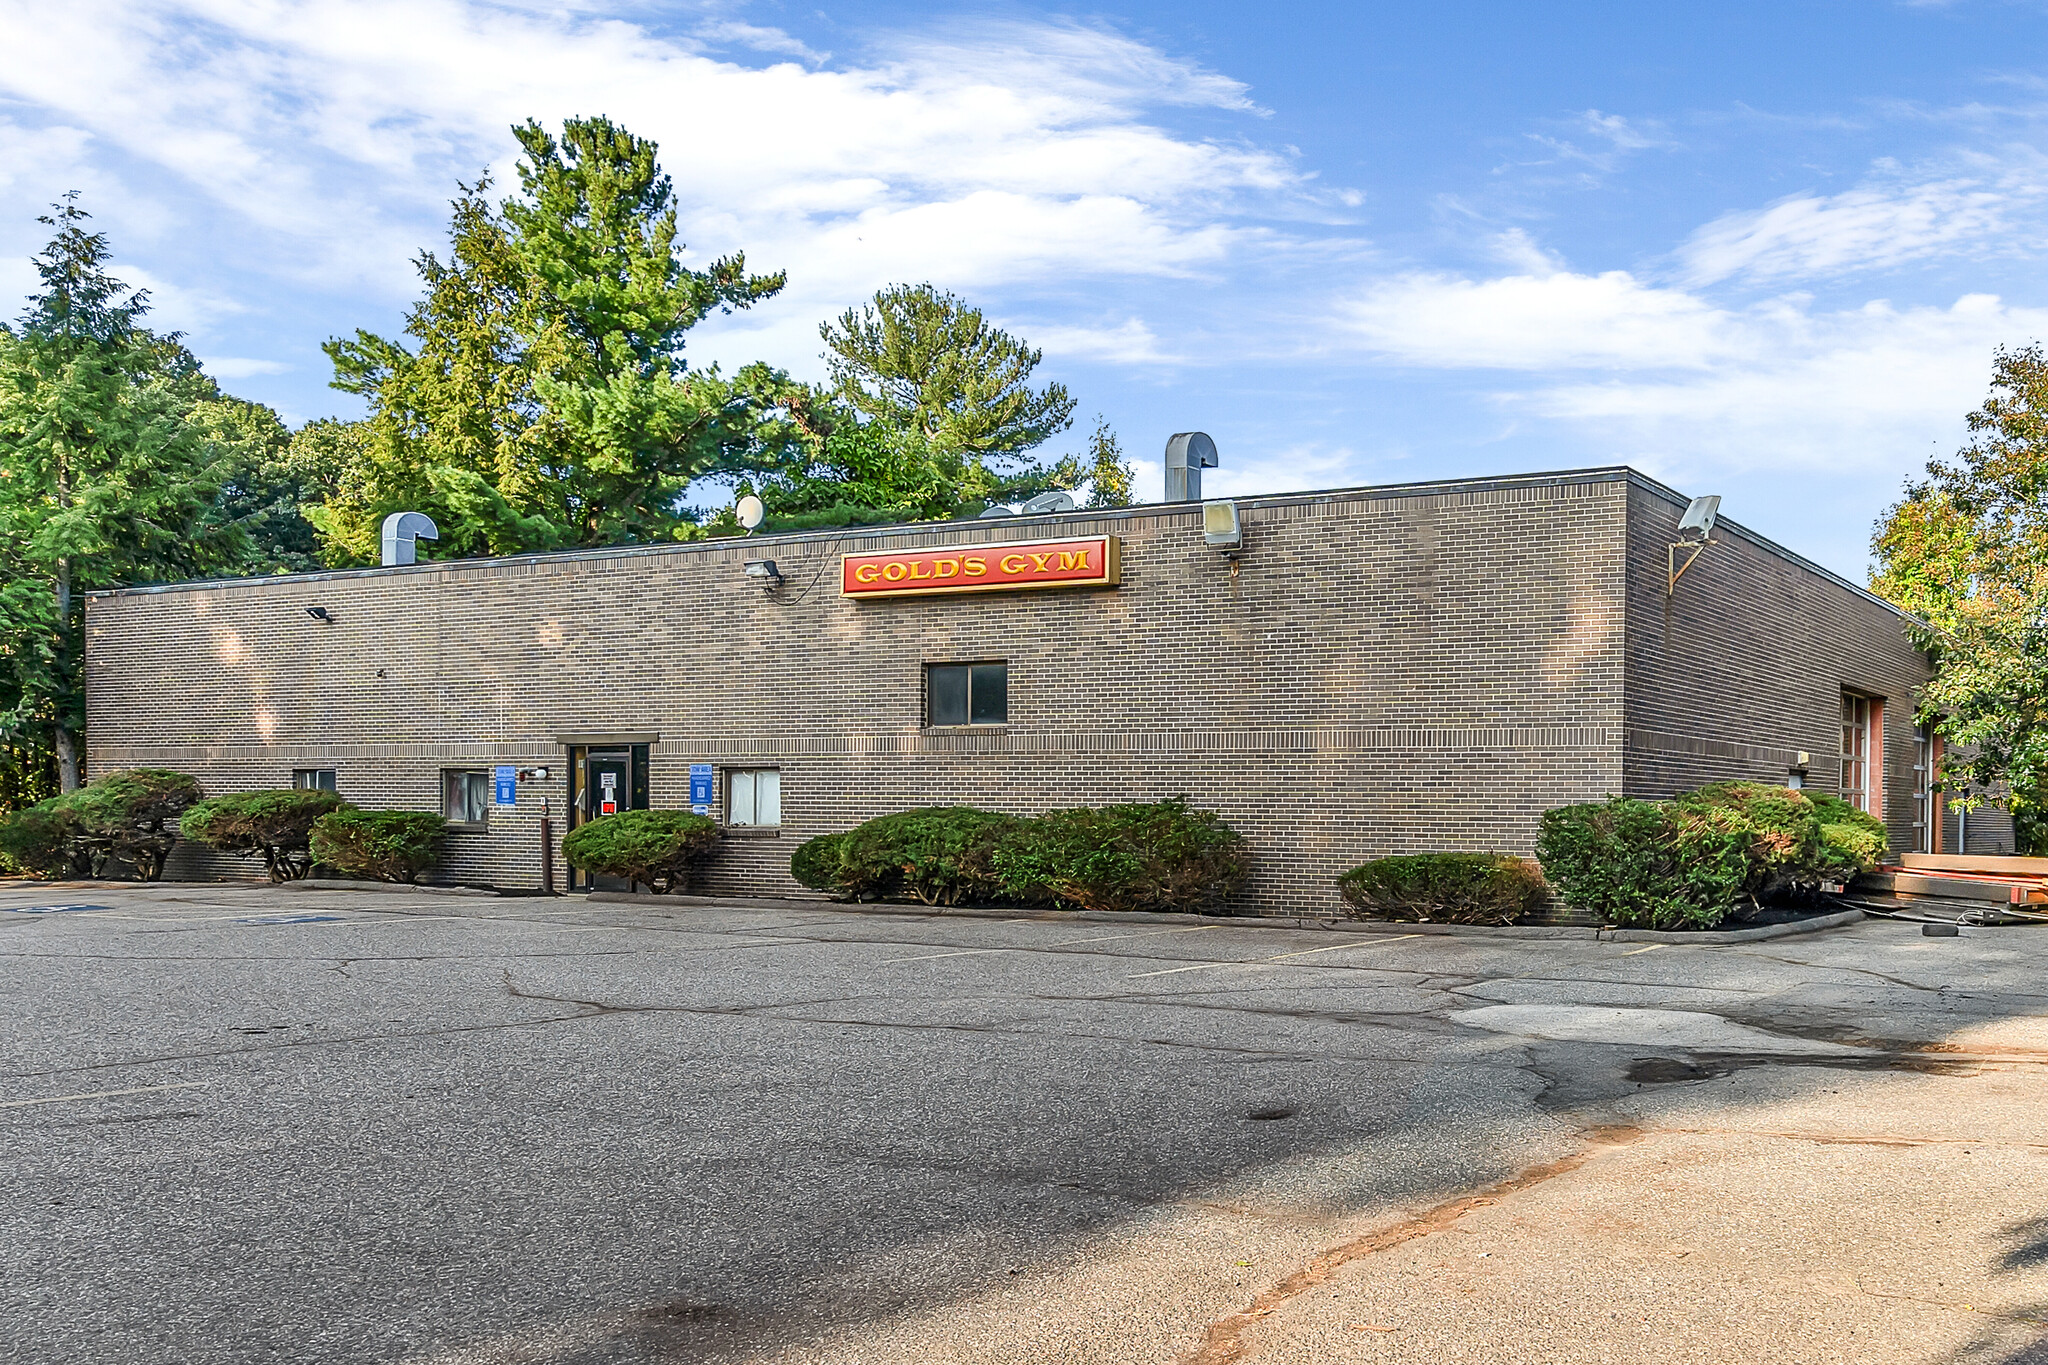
{"points": [[1979, 886]]}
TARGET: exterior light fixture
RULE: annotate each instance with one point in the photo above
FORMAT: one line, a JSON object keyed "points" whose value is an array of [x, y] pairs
{"points": [[765, 570], [1695, 532], [1222, 530], [320, 614], [532, 774]]}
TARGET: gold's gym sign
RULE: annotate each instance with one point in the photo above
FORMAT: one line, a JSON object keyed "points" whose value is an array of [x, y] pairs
{"points": [[1090, 562]]}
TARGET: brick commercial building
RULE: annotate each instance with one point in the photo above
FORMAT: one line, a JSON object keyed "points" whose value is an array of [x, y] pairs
{"points": [[1372, 671]]}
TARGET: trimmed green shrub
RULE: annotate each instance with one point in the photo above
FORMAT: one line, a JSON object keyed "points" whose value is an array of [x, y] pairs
{"points": [[654, 848], [276, 826], [127, 817], [377, 845], [1833, 810], [816, 862], [41, 840], [1850, 849], [1450, 888], [940, 855], [1635, 864], [1726, 850], [1162, 855]]}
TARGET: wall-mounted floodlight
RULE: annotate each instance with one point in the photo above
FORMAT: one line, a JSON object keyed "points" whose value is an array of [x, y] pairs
{"points": [[1699, 518], [401, 529], [1221, 530], [532, 774], [1694, 528], [320, 614], [1188, 453], [766, 572]]}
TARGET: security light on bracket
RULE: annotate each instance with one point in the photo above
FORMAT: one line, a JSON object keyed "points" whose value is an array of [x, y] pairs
{"points": [[1695, 530], [320, 614], [531, 774], [1223, 530], [765, 572]]}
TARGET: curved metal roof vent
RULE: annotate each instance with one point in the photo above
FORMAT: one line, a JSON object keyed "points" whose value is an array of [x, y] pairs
{"points": [[401, 530], [1188, 453]]}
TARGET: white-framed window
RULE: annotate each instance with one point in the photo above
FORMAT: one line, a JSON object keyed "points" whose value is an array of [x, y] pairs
{"points": [[465, 795], [1856, 750], [313, 779], [753, 796]]}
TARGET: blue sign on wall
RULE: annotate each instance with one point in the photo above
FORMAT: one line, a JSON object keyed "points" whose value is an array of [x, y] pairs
{"points": [[700, 788], [507, 785]]}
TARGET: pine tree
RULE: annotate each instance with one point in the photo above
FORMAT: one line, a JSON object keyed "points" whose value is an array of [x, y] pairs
{"points": [[102, 481]]}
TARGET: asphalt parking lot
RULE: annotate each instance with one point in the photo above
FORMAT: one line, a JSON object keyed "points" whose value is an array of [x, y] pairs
{"points": [[247, 1125]]}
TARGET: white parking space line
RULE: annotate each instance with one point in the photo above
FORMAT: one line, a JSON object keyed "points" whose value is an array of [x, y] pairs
{"points": [[1198, 967], [1277, 957], [1150, 933], [1056, 943], [1336, 946], [964, 952], [101, 1094]]}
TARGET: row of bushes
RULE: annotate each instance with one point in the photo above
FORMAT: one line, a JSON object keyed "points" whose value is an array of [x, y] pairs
{"points": [[1723, 852], [1160, 855], [1693, 862], [133, 819]]}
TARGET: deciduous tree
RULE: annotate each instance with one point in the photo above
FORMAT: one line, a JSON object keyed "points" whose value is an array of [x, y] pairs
{"points": [[1966, 550]]}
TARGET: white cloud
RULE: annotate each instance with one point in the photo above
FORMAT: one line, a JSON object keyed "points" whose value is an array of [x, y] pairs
{"points": [[987, 154], [240, 367], [1666, 378], [1553, 321], [1290, 468], [1130, 342], [1872, 227]]}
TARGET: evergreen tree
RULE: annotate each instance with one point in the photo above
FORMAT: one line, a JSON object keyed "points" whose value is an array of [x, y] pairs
{"points": [[926, 361], [546, 402], [102, 481]]}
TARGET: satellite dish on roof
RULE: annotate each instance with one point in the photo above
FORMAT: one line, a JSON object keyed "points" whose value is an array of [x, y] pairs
{"points": [[751, 511]]}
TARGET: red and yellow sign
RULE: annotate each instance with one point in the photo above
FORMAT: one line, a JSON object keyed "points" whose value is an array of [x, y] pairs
{"points": [[1089, 562]]}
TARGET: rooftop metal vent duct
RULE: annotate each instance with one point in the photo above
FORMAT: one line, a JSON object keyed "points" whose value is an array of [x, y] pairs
{"points": [[401, 530], [1188, 453]]}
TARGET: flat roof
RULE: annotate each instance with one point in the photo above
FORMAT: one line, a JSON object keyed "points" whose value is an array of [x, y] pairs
{"points": [[1423, 488]]}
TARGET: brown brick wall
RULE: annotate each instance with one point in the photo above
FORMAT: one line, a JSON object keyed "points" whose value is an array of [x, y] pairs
{"points": [[1744, 664], [1391, 670]]}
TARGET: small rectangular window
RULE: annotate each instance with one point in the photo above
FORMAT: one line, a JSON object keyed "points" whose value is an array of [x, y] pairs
{"points": [[753, 796], [313, 779], [1856, 750], [465, 796], [967, 694]]}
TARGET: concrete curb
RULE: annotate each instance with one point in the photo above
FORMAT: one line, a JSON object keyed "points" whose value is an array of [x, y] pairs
{"points": [[336, 884], [1333, 925], [1762, 931]]}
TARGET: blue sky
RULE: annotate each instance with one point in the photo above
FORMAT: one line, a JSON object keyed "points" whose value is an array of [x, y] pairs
{"points": [[1764, 251]]}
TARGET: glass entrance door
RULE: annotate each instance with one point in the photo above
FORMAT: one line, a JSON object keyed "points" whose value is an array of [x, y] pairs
{"points": [[604, 781]]}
